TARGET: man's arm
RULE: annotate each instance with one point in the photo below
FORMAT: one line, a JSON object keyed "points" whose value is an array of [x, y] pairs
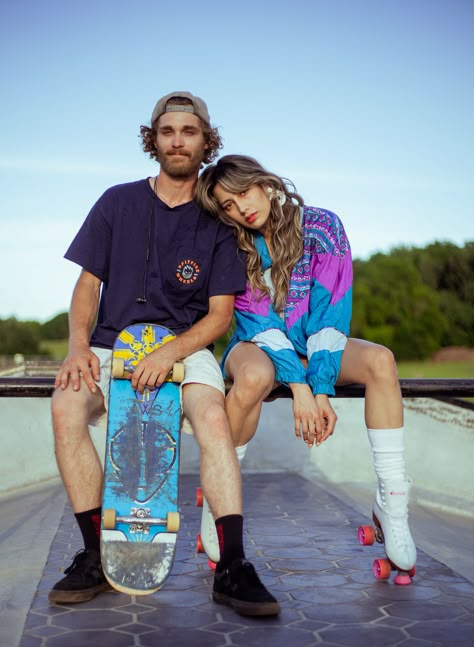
{"points": [[153, 369], [81, 361]]}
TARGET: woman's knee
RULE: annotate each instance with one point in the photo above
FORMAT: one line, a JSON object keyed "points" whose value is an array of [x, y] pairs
{"points": [[382, 363], [253, 382]]}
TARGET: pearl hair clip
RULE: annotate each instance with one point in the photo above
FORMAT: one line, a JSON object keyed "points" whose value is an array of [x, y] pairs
{"points": [[276, 194]]}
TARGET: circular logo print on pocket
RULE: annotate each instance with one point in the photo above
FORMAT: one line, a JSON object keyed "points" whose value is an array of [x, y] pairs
{"points": [[187, 271]]}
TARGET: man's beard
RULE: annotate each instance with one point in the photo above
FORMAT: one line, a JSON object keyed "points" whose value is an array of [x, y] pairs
{"points": [[179, 166]]}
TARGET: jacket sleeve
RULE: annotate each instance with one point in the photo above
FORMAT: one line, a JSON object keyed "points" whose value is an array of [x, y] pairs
{"points": [[330, 304], [257, 322]]}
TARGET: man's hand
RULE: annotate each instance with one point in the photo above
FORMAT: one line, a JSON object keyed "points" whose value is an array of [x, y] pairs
{"points": [[154, 368], [80, 363]]}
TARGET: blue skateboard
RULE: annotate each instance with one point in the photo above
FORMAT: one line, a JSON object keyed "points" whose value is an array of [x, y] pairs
{"points": [[140, 518]]}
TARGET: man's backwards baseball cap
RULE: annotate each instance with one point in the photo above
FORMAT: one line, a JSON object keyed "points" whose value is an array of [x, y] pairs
{"points": [[197, 106]]}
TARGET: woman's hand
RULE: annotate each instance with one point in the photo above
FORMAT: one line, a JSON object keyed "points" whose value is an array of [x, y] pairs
{"points": [[315, 419], [328, 415], [309, 423]]}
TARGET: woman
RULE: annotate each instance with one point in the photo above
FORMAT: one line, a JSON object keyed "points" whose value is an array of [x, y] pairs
{"points": [[292, 325]]}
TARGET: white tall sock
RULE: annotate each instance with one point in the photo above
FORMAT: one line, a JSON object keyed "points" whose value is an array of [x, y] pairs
{"points": [[240, 451], [388, 448]]}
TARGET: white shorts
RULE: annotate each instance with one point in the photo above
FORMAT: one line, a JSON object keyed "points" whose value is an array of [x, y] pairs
{"points": [[199, 368]]}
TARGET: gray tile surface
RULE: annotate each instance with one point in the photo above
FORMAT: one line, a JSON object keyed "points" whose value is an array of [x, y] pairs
{"points": [[303, 542]]}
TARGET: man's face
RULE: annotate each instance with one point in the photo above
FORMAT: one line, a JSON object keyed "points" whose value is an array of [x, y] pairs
{"points": [[180, 144]]}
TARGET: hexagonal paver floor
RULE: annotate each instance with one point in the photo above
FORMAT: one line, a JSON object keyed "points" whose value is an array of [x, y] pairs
{"points": [[303, 541]]}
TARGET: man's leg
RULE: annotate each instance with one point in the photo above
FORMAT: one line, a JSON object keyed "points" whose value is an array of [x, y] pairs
{"points": [[253, 376], [81, 472], [236, 583]]}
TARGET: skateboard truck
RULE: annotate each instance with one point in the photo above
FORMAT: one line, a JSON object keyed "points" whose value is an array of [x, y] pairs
{"points": [[140, 520]]}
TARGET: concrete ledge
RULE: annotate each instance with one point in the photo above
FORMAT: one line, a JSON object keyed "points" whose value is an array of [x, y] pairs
{"points": [[439, 448]]}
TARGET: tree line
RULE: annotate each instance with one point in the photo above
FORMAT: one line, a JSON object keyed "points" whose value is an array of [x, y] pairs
{"points": [[413, 300]]}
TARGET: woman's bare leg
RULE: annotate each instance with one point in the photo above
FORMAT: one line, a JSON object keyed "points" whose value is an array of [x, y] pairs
{"points": [[374, 366], [253, 376]]}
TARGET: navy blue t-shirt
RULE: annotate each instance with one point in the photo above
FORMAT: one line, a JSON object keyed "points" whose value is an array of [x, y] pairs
{"points": [[191, 257]]}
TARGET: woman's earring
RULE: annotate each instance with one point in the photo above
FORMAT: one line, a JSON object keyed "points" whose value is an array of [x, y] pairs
{"points": [[278, 194]]}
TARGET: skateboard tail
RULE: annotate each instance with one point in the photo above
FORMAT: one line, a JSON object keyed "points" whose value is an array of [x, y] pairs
{"points": [[137, 568]]}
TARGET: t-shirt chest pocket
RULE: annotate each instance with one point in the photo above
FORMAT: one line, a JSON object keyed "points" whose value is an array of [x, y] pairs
{"points": [[185, 274], [188, 270]]}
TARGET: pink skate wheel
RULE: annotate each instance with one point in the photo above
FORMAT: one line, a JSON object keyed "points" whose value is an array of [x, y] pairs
{"points": [[199, 497], [381, 569], [199, 546], [366, 535], [212, 565]]}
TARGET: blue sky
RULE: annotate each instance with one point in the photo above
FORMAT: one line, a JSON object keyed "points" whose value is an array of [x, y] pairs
{"points": [[367, 106]]}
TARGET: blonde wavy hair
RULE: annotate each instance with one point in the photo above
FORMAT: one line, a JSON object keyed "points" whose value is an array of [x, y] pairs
{"points": [[237, 173]]}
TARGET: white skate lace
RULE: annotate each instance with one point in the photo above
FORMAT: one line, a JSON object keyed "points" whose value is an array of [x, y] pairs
{"points": [[400, 531]]}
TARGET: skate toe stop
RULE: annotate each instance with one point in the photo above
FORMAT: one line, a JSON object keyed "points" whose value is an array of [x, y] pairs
{"points": [[402, 579]]}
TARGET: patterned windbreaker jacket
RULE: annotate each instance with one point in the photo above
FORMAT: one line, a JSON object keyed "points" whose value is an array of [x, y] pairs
{"points": [[317, 315]]}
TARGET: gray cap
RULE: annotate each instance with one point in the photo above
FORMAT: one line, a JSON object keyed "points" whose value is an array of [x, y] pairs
{"points": [[198, 106]]}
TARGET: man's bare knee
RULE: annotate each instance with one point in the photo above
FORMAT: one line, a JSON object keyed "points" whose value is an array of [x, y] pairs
{"points": [[74, 408]]}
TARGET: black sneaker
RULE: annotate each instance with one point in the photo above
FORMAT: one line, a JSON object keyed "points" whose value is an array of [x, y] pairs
{"points": [[238, 586], [84, 579]]}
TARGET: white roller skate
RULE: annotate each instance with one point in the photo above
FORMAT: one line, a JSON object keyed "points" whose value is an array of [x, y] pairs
{"points": [[390, 516], [207, 541]]}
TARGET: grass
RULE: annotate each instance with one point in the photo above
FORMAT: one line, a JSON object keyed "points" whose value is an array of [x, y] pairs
{"points": [[436, 369], [54, 349]]}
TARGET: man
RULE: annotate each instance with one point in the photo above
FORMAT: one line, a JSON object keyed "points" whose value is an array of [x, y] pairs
{"points": [[149, 254]]}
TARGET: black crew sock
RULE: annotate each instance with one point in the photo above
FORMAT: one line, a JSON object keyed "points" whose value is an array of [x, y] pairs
{"points": [[89, 525], [230, 535]]}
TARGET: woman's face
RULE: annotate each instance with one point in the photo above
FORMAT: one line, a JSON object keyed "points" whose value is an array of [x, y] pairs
{"points": [[250, 208]]}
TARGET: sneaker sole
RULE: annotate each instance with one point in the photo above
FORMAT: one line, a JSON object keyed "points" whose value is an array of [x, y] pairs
{"points": [[248, 608], [59, 596]]}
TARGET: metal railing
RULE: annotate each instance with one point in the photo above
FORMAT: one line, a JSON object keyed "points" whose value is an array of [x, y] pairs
{"points": [[447, 389]]}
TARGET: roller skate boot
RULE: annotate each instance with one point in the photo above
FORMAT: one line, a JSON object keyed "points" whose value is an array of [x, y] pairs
{"points": [[207, 541], [390, 517]]}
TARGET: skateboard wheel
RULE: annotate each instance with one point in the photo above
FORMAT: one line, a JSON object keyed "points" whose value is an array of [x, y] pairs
{"points": [[382, 569], [177, 372], [366, 535], [199, 497], [172, 521], [110, 516], [199, 546], [118, 367]]}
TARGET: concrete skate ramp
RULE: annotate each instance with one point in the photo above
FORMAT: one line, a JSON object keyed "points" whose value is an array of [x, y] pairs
{"points": [[302, 509]]}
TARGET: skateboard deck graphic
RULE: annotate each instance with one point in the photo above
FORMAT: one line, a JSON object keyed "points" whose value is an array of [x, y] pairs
{"points": [[140, 516]]}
